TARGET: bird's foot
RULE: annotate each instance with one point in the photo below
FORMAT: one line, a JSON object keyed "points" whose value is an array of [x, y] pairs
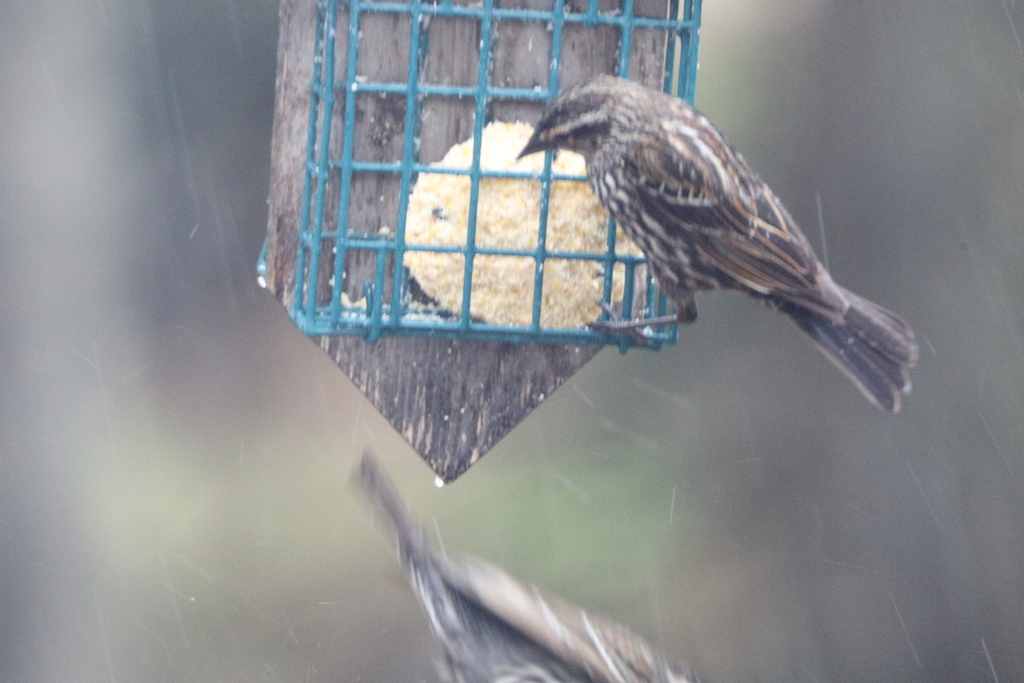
{"points": [[616, 325]]}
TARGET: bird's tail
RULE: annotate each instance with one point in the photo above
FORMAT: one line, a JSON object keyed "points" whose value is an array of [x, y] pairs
{"points": [[871, 345], [375, 485]]}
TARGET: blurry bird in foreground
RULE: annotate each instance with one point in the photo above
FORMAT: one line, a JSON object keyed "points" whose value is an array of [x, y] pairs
{"points": [[705, 220], [495, 630]]}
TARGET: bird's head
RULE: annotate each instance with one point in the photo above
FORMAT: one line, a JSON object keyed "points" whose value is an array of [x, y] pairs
{"points": [[582, 118]]}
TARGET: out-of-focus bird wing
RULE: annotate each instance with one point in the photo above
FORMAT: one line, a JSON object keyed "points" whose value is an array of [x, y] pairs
{"points": [[561, 637], [445, 586], [526, 611], [699, 184], [609, 653]]}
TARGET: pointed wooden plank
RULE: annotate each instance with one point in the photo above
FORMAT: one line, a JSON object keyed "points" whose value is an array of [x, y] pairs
{"points": [[452, 401]]}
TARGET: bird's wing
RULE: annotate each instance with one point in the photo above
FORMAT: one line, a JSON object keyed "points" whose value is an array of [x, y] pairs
{"points": [[579, 646], [447, 588], [525, 611], [701, 186], [607, 652]]}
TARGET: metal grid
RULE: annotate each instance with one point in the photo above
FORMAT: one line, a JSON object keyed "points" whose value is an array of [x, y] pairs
{"points": [[395, 313]]}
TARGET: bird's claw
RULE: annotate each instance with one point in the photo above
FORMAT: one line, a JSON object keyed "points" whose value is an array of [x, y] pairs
{"points": [[617, 325]]}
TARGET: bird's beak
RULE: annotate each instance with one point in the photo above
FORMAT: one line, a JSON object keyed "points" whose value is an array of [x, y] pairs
{"points": [[532, 147]]}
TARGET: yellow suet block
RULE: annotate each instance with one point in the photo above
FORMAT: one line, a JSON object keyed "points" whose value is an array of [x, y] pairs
{"points": [[508, 215]]}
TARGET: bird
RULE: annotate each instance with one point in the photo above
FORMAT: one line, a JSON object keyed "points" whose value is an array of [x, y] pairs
{"points": [[705, 220], [494, 629]]}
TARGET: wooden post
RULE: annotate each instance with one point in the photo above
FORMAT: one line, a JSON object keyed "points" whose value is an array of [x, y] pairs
{"points": [[452, 401]]}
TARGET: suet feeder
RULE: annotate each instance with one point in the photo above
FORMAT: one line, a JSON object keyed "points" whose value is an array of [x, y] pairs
{"points": [[452, 284]]}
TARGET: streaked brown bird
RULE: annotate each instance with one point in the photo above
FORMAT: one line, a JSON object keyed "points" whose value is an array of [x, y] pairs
{"points": [[496, 630], [705, 220]]}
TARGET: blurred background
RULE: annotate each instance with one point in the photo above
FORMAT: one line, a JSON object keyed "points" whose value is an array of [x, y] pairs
{"points": [[174, 456]]}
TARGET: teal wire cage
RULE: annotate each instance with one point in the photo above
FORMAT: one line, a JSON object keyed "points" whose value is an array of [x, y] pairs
{"points": [[352, 279]]}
